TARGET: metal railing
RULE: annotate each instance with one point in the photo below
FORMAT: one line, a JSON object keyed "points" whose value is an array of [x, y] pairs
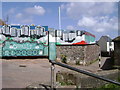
{"points": [[83, 72]]}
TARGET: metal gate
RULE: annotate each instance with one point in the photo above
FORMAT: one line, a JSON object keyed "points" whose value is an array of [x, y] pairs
{"points": [[29, 41], [13, 49]]}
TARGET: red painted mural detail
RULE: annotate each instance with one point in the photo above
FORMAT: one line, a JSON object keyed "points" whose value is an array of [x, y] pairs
{"points": [[87, 33], [82, 42]]}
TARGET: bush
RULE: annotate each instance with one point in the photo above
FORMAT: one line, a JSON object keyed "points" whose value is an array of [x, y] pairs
{"points": [[63, 58], [77, 62]]}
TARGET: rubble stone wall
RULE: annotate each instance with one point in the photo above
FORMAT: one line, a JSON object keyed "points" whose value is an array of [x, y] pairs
{"points": [[80, 54]]}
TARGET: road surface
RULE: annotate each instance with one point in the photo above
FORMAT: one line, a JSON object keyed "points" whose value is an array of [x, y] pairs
{"points": [[18, 73]]}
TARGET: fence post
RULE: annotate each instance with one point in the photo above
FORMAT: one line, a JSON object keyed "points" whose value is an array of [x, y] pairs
{"points": [[52, 76], [99, 61]]}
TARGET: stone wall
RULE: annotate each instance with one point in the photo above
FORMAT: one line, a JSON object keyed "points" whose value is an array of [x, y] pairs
{"points": [[78, 54], [84, 81]]}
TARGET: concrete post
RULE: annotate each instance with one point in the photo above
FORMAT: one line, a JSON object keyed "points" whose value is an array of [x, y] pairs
{"points": [[52, 76]]}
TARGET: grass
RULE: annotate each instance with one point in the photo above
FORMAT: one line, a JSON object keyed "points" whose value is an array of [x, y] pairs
{"points": [[66, 83], [109, 86]]}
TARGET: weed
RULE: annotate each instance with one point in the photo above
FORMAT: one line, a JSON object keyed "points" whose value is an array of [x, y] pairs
{"points": [[77, 62], [64, 58]]}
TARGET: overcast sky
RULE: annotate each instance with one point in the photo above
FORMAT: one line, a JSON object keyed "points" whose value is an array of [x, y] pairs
{"points": [[99, 18]]}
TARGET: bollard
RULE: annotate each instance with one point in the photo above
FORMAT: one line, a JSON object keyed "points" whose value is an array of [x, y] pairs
{"points": [[99, 60]]}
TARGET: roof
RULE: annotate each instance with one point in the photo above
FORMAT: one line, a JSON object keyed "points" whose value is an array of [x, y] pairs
{"points": [[116, 39], [106, 38]]}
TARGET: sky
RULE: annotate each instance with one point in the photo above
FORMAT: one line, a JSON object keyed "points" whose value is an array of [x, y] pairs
{"points": [[98, 18]]}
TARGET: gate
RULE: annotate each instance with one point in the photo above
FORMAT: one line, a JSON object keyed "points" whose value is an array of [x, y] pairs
{"points": [[19, 41]]}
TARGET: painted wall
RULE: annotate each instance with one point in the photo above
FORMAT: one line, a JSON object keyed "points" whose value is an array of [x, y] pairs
{"points": [[110, 46]]}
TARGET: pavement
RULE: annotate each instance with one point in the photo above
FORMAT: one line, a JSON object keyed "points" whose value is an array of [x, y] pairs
{"points": [[19, 73], [94, 67]]}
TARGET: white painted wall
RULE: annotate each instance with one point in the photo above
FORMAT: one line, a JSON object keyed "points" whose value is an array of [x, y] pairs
{"points": [[110, 45]]}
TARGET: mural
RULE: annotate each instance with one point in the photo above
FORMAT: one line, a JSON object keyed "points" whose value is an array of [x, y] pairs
{"points": [[74, 37], [30, 40], [16, 40]]}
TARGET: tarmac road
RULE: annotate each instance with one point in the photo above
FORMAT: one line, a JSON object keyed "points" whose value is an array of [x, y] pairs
{"points": [[21, 73]]}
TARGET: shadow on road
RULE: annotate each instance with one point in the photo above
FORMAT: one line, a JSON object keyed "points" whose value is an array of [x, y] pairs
{"points": [[108, 65]]}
